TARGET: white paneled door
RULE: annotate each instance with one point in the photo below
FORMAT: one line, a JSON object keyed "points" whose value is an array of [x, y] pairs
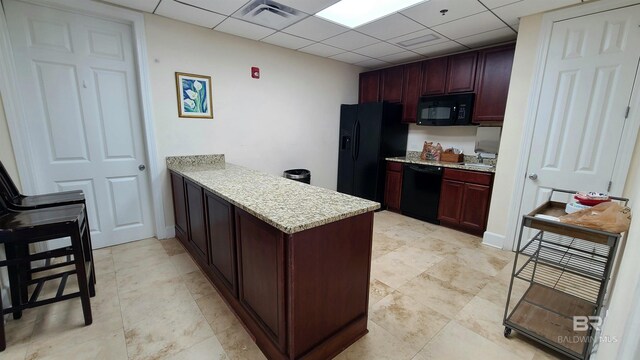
{"points": [[586, 89], [78, 87]]}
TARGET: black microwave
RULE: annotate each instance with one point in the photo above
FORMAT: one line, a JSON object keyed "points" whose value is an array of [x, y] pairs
{"points": [[446, 110]]}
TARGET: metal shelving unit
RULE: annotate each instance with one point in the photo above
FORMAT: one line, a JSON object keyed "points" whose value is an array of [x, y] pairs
{"points": [[568, 268]]}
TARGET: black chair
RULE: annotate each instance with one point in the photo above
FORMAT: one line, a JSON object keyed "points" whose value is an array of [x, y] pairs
{"points": [[16, 201], [18, 229]]}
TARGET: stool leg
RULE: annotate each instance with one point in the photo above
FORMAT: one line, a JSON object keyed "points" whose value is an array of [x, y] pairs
{"points": [[24, 272], [90, 244], [81, 273], [3, 340], [88, 256], [14, 280]]}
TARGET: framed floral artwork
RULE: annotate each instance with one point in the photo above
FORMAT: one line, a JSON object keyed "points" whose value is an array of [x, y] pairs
{"points": [[194, 96]]}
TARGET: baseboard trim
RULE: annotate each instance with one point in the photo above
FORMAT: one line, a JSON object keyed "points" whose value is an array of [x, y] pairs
{"points": [[493, 239], [169, 232]]}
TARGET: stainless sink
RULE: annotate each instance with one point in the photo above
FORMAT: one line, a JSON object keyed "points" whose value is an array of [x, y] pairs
{"points": [[482, 166]]}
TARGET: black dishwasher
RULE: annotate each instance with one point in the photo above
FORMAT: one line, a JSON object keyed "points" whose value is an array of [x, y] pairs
{"points": [[421, 192]]}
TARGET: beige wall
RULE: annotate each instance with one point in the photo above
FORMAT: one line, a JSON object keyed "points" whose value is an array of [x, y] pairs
{"points": [[6, 150], [287, 119]]}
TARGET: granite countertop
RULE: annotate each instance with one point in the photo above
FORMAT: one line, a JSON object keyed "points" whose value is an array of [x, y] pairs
{"points": [[288, 205], [414, 158]]}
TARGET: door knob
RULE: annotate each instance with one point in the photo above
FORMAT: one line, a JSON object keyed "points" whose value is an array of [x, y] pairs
{"points": [[141, 167], [533, 176]]}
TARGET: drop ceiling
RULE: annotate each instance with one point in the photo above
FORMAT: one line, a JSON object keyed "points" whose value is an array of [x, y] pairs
{"points": [[397, 38]]}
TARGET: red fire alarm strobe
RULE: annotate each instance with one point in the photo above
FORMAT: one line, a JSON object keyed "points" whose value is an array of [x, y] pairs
{"points": [[255, 72]]}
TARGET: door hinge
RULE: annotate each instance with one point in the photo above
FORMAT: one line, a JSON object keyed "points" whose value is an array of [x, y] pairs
{"points": [[626, 115], [609, 188]]}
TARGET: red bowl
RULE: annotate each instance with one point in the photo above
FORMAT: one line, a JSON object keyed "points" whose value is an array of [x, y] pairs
{"points": [[590, 202]]}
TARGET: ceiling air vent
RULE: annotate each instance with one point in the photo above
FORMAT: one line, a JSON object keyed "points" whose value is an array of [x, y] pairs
{"points": [[270, 14]]}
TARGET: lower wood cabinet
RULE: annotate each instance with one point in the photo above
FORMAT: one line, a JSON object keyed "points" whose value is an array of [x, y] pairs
{"points": [[393, 186], [222, 243], [464, 200], [179, 208], [195, 216]]}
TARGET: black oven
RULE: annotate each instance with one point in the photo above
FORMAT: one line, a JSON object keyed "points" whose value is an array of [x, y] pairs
{"points": [[446, 110]]}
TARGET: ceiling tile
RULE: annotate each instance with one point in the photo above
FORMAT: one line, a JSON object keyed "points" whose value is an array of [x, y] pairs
{"points": [[350, 57], [471, 25], [492, 4], [224, 7], [378, 50], [428, 13], [490, 37], [390, 26], [400, 58], [244, 29], [511, 13], [373, 63], [190, 14], [286, 40], [418, 34], [314, 28], [310, 7], [440, 49], [321, 50], [144, 5], [350, 40]]}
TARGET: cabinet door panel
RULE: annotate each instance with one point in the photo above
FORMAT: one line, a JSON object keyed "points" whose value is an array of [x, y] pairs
{"points": [[411, 91], [197, 227], [494, 75], [179, 207], [393, 190], [475, 206], [434, 76], [220, 225], [261, 274], [451, 195], [461, 74], [369, 87], [392, 84]]}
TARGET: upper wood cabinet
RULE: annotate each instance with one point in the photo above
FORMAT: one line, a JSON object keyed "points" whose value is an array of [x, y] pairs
{"points": [[461, 74], [412, 80], [392, 84], [493, 78], [434, 76], [369, 87]]}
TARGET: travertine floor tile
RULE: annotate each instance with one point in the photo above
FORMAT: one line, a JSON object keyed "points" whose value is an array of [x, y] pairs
{"points": [[109, 347], [183, 263], [172, 246], [209, 349], [217, 313], [438, 294], [461, 277], [198, 284], [141, 276], [378, 344], [238, 345], [377, 291], [392, 271]]}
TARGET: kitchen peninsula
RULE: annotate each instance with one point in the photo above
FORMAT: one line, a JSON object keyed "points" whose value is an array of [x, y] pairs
{"points": [[291, 260]]}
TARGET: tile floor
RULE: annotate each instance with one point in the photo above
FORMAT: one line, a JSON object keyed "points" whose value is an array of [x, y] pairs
{"points": [[435, 294]]}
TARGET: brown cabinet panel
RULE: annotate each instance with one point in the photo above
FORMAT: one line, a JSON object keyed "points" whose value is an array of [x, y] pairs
{"points": [[468, 176], [179, 207], [392, 84], [261, 274], [197, 226], [434, 76], [393, 190], [369, 87], [222, 245], [461, 74], [412, 81], [493, 78], [451, 197], [475, 207]]}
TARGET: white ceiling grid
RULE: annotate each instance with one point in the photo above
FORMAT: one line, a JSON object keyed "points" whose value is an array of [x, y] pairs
{"points": [[466, 25]]}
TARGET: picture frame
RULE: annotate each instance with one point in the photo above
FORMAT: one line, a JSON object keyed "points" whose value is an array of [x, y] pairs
{"points": [[194, 96]]}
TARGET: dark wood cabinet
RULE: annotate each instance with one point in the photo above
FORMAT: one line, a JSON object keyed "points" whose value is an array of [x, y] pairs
{"points": [[392, 83], [261, 274], [179, 207], [369, 87], [464, 200], [195, 216], [492, 88], [434, 76], [411, 88], [393, 186], [461, 73], [222, 245]]}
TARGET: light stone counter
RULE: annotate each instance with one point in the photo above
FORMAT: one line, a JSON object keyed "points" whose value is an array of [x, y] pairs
{"points": [[414, 158], [287, 205]]}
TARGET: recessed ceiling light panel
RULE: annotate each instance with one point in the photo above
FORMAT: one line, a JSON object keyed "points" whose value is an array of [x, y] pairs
{"points": [[353, 13], [418, 40]]}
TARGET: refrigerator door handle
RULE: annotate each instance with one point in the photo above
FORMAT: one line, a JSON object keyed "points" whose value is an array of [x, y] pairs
{"points": [[356, 142], [353, 143]]}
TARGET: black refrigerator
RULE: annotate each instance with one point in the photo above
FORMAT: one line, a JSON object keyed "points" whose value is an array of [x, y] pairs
{"points": [[368, 134]]}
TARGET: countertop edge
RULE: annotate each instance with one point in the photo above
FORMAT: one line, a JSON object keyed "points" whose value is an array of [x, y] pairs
{"points": [[441, 163], [284, 229]]}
